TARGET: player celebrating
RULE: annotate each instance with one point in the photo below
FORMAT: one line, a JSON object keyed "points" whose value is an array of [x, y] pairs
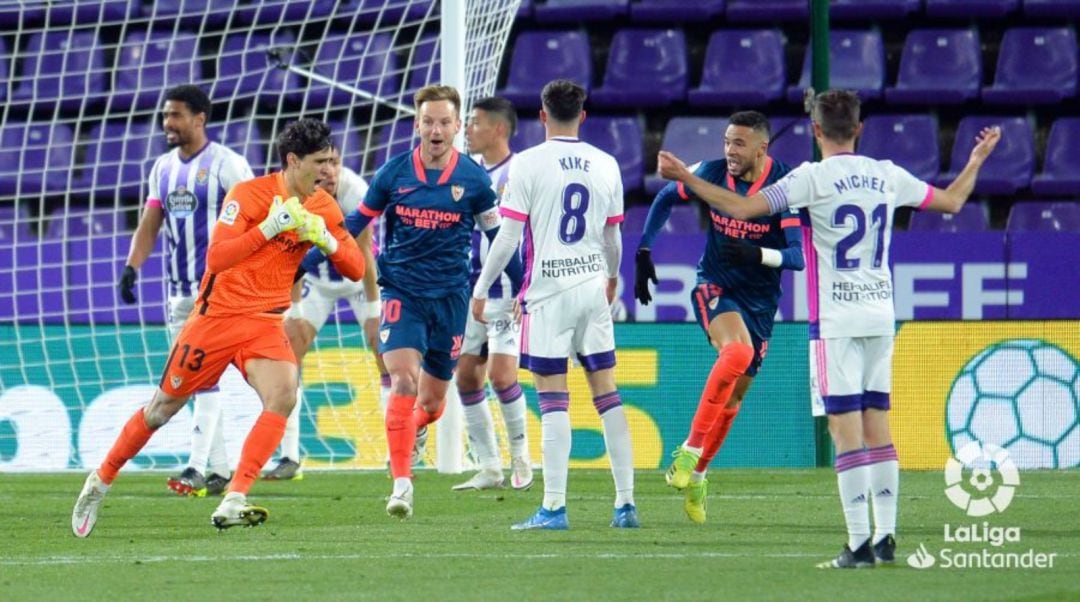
{"points": [[187, 186], [432, 197], [567, 196], [256, 247], [736, 295], [847, 202], [488, 133], [321, 290]]}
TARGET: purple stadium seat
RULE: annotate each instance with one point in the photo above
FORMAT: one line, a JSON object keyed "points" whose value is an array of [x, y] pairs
{"points": [[693, 139], [856, 62], [78, 223], [970, 8], [573, 11], [972, 218], [1009, 168], [243, 137], [684, 219], [1032, 216], [92, 11], [273, 12], [525, 9], [742, 68], [347, 139], [1035, 66], [14, 226], [245, 71], [62, 65], [363, 61], [148, 64], [1061, 166], [910, 141], [190, 13], [395, 139], [1052, 8], [38, 292], [541, 56], [424, 65], [386, 13], [675, 11], [15, 14], [35, 158], [938, 66], [767, 10], [841, 10], [646, 68], [792, 140], [530, 132], [90, 288], [119, 157], [5, 68], [622, 138]]}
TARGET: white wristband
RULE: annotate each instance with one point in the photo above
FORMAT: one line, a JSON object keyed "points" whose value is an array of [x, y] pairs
{"points": [[373, 309], [771, 257]]}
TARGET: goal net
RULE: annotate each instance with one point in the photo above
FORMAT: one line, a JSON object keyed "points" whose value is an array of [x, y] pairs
{"points": [[82, 85]]}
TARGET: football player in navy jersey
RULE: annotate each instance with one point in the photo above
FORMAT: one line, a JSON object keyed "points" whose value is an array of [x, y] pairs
{"points": [[737, 291]]}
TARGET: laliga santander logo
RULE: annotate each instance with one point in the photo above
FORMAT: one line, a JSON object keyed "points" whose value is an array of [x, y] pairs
{"points": [[981, 459]]}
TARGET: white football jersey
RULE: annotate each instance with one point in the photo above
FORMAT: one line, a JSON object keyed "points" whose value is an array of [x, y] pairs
{"points": [[502, 288], [351, 189], [847, 203], [565, 191]]}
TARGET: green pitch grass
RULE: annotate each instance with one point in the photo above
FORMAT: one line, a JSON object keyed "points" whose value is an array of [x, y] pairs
{"points": [[328, 538]]}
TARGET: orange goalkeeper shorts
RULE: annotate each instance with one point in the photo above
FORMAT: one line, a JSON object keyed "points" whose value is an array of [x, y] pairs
{"points": [[207, 345]]}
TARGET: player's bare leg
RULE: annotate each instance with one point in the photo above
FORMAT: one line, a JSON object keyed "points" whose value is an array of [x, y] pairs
{"points": [[729, 335], [608, 404], [884, 469], [136, 432], [479, 425], [275, 382], [404, 368]]}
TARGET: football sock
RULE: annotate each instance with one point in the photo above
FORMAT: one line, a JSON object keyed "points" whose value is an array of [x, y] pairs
{"points": [[732, 362], [290, 442], [218, 462], [884, 488], [512, 403], [555, 430], [714, 440], [423, 417], [400, 434], [258, 447], [853, 481], [617, 441], [384, 393], [207, 406], [481, 429], [132, 438]]}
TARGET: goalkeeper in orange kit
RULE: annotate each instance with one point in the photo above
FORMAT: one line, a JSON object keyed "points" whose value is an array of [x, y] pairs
{"points": [[255, 250]]}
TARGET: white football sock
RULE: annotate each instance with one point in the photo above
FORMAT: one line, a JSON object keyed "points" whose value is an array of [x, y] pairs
{"points": [[854, 485], [207, 408], [885, 490], [290, 441], [620, 453], [218, 460], [555, 427], [512, 403], [481, 429]]}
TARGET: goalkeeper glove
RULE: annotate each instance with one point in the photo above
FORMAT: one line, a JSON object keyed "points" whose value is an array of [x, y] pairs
{"points": [[737, 252], [314, 231], [644, 271], [127, 284], [283, 217]]}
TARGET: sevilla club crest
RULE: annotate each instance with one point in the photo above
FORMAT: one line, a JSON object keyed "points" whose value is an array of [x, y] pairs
{"points": [[457, 192]]}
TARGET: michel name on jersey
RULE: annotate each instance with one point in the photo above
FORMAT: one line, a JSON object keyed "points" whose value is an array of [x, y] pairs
{"points": [[572, 266]]}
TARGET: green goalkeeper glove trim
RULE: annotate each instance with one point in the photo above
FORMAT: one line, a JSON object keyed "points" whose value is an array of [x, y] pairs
{"points": [[283, 217]]}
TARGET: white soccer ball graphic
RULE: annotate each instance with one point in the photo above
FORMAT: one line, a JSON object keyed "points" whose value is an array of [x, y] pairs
{"points": [[1022, 395], [979, 497]]}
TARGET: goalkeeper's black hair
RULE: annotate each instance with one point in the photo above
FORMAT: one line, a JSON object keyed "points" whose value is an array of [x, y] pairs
{"points": [[302, 138], [500, 108], [563, 100], [193, 96], [751, 119]]}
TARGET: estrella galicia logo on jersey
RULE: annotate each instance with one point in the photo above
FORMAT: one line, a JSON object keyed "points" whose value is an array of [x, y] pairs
{"points": [[457, 191], [229, 213], [202, 175], [181, 203]]}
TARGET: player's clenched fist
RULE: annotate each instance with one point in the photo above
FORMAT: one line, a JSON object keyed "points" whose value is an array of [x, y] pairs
{"points": [[283, 217], [671, 167], [314, 230]]}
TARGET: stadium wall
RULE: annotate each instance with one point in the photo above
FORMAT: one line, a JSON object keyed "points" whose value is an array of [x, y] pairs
{"points": [[1014, 383]]}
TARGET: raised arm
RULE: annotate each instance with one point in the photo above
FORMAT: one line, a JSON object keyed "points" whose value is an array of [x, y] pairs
{"points": [[953, 197], [672, 168]]}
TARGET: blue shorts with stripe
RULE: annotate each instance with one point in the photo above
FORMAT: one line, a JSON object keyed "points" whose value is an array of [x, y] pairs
{"points": [[434, 327], [710, 300]]}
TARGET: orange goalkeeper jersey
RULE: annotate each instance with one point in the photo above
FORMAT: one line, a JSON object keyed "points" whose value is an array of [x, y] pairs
{"points": [[245, 273]]}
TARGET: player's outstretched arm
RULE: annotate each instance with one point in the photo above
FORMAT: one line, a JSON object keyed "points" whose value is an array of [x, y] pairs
{"points": [[672, 168], [952, 198], [499, 255], [644, 269]]}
